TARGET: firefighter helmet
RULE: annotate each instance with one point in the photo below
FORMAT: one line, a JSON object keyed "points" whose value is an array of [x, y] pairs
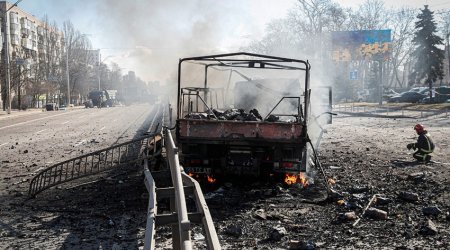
{"points": [[419, 128]]}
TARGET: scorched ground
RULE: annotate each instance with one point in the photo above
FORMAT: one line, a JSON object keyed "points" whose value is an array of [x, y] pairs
{"points": [[362, 156]]}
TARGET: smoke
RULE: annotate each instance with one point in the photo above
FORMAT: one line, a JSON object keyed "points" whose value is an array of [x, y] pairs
{"points": [[150, 36]]}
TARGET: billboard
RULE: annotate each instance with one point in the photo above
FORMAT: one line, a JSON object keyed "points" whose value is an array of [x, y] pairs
{"points": [[361, 44]]}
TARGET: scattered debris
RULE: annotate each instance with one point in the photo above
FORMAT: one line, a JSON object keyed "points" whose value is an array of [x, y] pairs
{"points": [[429, 228], [409, 196], [383, 201], [276, 233], [304, 245], [432, 210], [376, 213], [234, 230], [261, 214], [374, 197]]}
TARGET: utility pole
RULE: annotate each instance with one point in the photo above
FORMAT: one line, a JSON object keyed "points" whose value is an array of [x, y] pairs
{"points": [[67, 77], [448, 56], [99, 64]]}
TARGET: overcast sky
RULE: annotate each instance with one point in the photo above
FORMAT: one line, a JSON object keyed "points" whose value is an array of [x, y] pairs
{"points": [[148, 36]]}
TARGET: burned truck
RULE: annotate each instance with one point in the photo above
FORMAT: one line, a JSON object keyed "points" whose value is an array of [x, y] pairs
{"points": [[244, 115]]}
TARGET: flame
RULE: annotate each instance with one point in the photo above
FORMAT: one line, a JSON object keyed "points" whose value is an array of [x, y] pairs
{"points": [[211, 179], [191, 174], [296, 178]]}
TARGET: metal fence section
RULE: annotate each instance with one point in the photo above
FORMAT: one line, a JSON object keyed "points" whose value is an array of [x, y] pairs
{"points": [[116, 156], [390, 111]]}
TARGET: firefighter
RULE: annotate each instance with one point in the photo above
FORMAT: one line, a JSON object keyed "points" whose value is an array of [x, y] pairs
{"points": [[424, 144]]}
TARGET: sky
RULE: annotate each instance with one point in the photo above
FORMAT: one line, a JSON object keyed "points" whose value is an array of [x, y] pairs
{"points": [[149, 36]]}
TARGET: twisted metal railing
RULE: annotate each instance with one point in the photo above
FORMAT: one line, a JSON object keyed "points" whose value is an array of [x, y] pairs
{"points": [[123, 154]]}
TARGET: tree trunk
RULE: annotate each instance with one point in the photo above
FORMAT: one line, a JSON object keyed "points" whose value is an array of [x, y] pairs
{"points": [[19, 99]]}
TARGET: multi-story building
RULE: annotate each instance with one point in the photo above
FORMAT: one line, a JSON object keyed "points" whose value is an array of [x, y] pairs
{"points": [[30, 39]]}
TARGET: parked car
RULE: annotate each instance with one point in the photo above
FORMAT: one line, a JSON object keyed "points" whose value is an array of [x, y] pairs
{"points": [[408, 96], [88, 104], [418, 89], [439, 95], [388, 94], [51, 106], [362, 95]]}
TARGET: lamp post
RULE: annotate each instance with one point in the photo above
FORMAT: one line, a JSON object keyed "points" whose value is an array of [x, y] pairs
{"points": [[100, 61], [8, 78]]}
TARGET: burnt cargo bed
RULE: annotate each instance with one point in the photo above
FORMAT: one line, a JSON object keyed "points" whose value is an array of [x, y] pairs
{"points": [[255, 131]]}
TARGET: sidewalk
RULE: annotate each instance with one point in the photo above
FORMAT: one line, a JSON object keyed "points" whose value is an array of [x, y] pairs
{"points": [[16, 112]]}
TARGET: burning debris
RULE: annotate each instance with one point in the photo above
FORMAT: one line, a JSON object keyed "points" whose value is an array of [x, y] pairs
{"points": [[299, 178]]}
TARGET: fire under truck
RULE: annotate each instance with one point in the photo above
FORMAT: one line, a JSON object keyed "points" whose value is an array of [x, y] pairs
{"points": [[246, 115]]}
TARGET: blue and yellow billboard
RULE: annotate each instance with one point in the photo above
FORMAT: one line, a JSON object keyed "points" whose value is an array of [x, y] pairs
{"points": [[361, 44]]}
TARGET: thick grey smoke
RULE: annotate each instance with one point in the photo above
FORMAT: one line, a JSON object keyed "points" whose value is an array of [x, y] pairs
{"points": [[155, 34]]}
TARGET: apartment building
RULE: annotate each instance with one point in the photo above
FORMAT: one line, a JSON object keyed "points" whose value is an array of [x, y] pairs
{"points": [[30, 40]]}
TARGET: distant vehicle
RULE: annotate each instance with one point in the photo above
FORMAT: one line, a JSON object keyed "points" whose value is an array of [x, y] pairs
{"points": [[389, 93], [439, 95], [51, 106], [362, 95], [88, 104], [409, 96], [418, 89], [102, 98]]}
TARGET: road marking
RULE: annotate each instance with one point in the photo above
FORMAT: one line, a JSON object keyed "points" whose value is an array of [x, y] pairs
{"points": [[21, 123], [80, 142], [41, 131], [65, 122], [102, 128], [3, 144]]}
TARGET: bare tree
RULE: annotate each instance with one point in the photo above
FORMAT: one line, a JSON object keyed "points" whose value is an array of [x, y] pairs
{"points": [[370, 15], [77, 49], [402, 25]]}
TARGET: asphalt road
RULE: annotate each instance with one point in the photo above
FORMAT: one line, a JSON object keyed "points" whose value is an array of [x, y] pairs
{"points": [[40, 139]]}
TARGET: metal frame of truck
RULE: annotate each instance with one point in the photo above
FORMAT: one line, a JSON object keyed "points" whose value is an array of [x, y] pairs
{"points": [[263, 148]]}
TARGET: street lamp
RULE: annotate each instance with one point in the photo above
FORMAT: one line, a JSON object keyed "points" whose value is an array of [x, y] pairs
{"points": [[100, 61], [8, 78]]}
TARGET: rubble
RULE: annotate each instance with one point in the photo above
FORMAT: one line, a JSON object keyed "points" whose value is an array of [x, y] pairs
{"points": [[234, 230], [431, 210], [429, 228], [383, 201], [376, 214], [231, 115], [261, 214], [62, 222], [301, 245], [409, 196], [276, 233]]}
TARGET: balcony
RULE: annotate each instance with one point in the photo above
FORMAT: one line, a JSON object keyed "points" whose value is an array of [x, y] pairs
{"points": [[15, 40], [13, 18], [27, 43], [25, 32]]}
